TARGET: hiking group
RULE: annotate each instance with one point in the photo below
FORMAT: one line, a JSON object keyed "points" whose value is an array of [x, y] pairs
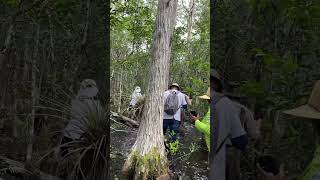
{"points": [[234, 126], [232, 135]]}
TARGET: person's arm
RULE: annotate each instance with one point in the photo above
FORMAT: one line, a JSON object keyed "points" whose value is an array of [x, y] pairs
{"points": [[188, 100], [240, 142], [184, 102], [239, 138], [202, 127]]}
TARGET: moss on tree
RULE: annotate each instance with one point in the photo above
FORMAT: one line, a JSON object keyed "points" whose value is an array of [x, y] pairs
{"points": [[145, 167]]}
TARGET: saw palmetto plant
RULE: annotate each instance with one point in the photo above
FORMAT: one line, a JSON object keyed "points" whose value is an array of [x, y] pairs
{"points": [[85, 158]]}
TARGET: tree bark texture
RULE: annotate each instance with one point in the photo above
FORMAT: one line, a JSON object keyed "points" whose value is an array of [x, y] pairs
{"points": [[150, 142], [33, 95]]}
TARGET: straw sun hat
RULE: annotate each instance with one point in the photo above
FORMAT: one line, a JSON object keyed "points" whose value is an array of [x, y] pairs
{"points": [[206, 96], [310, 110]]}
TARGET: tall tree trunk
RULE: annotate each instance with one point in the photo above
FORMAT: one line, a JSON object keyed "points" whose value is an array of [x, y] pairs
{"points": [[147, 158], [120, 92], [14, 99], [7, 43], [15, 118], [53, 62], [189, 21], [82, 51], [33, 96], [192, 5]]}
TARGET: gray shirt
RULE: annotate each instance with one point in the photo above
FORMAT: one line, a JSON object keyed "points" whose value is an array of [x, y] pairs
{"points": [[229, 124], [182, 102], [80, 108]]}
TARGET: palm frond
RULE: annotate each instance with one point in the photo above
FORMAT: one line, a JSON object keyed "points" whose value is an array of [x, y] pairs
{"points": [[13, 166]]}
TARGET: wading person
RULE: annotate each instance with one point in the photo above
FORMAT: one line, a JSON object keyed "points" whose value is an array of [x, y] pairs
{"points": [[85, 101], [174, 101], [136, 94], [82, 105], [230, 132], [311, 112], [251, 126], [203, 124], [135, 104]]}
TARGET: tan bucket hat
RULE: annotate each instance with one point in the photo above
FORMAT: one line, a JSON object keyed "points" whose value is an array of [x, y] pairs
{"points": [[310, 110], [206, 96], [175, 84]]}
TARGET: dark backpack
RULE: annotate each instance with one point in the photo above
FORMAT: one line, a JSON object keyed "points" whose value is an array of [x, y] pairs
{"points": [[171, 104]]}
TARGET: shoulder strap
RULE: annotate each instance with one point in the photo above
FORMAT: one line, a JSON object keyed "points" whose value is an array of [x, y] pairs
{"points": [[214, 125], [220, 145]]}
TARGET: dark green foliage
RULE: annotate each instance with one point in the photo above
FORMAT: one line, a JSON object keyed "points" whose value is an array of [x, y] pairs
{"points": [[71, 47]]}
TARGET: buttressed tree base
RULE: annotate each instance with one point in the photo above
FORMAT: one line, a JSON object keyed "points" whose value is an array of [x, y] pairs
{"points": [[147, 159]]}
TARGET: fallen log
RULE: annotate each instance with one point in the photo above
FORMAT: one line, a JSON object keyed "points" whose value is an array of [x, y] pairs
{"points": [[126, 119]]}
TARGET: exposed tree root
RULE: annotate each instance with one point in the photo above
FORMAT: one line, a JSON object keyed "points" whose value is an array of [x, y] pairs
{"points": [[150, 166]]}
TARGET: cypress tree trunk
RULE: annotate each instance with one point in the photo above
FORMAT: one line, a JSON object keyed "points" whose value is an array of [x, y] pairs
{"points": [[147, 159], [33, 95]]}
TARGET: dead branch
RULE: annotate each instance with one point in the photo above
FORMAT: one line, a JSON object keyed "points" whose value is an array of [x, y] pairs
{"points": [[126, 119]]}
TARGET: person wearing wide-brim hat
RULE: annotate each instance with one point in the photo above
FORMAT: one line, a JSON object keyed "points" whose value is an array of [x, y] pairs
{"points": [[230, 132], [203, 125], [172, 117], [311, 111], [175, 85]]}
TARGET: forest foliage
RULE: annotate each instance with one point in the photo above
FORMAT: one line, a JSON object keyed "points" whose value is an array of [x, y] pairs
{"points": [[132, 28], [47, 49]]}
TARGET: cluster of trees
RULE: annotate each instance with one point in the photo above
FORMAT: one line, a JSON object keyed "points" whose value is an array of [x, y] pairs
{"points": [[151, 48], [271, 48], [132, 32], [47, 49]]}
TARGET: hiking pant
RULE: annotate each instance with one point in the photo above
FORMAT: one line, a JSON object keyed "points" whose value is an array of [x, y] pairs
{"points": [[173, 125]]}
